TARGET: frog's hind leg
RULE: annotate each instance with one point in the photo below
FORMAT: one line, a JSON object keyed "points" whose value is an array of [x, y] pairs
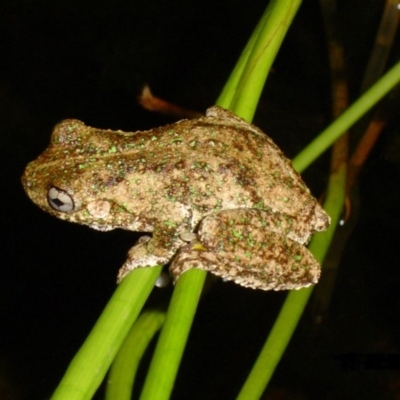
{"points": [[236, 245]]}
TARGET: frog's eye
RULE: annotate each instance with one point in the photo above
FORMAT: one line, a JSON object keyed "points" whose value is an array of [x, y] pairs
{"points": [[60, 200]]}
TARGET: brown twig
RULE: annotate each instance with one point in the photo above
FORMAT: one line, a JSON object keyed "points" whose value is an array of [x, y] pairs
{"points": [[152, 103]]}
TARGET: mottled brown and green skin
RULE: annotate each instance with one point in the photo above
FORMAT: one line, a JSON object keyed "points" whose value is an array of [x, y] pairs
{"points": [[168, 179], [250, 246]]}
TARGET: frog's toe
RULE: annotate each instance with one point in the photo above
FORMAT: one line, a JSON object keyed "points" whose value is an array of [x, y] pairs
{"points": [[144, 254], [322, 219]]}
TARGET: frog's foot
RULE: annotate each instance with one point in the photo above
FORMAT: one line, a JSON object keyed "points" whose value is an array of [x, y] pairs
{"points": [[251, 257], [146, 253]]}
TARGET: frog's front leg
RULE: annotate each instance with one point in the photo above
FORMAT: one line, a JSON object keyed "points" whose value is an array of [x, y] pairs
{"points": [[250, 247], [151, 251]]}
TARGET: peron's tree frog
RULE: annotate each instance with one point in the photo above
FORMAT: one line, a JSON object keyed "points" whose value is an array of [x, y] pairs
{"points": [[214, 192]]}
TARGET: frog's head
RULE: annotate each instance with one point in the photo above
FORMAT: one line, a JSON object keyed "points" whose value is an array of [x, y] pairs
{"points": [[80, 177]]}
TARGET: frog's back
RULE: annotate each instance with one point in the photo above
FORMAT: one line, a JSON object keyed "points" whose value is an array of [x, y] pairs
{"points": [[222, 162]]}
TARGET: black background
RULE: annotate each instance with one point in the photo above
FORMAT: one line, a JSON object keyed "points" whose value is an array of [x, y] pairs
{"points": [[89, 60]]}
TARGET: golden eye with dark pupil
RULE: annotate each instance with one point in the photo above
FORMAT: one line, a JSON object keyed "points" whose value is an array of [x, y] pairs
{"points": [[60, 200]]}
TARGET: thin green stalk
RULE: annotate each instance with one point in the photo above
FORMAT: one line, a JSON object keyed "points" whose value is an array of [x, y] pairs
{"points": [[347, 119], [243, 89], [171, 344], [89, 366], [296, 301], [230, 88], [124, 368]]}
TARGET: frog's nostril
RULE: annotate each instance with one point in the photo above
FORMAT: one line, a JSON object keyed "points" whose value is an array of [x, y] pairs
{"points": [[60, 200]]}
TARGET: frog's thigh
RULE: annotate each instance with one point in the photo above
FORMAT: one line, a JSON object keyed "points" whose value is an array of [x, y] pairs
{"points": [[255, 221], [151, 251], [237, 249]]}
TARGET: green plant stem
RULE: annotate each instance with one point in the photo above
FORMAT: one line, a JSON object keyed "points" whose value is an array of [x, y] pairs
{"points": [[123, 370], [243, 89], [230, 88], [171, 344], [296, 301], [90, 364], [347, 119]]}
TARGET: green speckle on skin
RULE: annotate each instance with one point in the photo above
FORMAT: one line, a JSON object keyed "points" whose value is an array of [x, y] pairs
{"points": [[250, 241], [123, 207], [170, 224], [298, 257], [248, 254], [112, 149], [219, 205], [289, 185], [236, 233], [175, 140], [288, 219]]}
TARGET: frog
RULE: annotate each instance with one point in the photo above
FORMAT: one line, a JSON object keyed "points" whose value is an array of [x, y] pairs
{"points": [[214, 193]]}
